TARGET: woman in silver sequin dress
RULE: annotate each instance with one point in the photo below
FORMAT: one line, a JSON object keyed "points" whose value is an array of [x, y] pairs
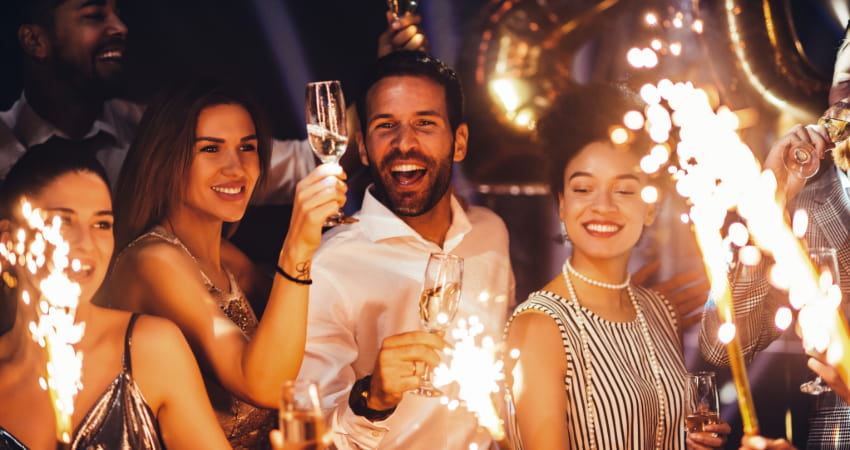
{"points": [[200, 152], [141, 386]]}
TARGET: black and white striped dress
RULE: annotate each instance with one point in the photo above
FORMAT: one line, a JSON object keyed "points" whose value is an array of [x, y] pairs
{"points": [[625, 398]]}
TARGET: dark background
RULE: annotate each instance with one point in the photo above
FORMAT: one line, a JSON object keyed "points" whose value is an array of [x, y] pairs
{"points": [[275, 46]]}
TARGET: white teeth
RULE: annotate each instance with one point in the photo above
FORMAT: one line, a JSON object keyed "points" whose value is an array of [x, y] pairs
{"points": [[407, 168], [227, 190], [598, 228], [112, 54]]}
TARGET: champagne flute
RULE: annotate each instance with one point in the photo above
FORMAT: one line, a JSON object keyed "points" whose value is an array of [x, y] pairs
{"points": [[401, 7], [326, 129], [826, 260], [701, 403], [799, 159], [438, 303], [301, 420]]}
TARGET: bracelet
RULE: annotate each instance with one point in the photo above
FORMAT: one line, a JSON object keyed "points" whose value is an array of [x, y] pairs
{"points": [[358, 401], [291, 278]]}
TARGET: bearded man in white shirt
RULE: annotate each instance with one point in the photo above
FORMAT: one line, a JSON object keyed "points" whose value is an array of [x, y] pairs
{"points": [[365, 344]]}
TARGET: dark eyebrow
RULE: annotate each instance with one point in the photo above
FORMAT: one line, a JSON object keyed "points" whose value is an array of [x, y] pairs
{"points": [[250, 137], [92, 3], [429, 113], [626, 176], [64, 210]]}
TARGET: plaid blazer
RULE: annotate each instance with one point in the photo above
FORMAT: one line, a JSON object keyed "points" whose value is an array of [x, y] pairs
{"points": [[756, 301]]}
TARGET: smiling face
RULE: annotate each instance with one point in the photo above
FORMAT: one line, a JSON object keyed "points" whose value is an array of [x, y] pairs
{"points": [[409, 144], [88, 40], [82, 201], [225, 165], [601, 204]]}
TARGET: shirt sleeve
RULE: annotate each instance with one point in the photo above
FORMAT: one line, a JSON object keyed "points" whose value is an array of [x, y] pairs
{"points": [[755, 302], [331, 349], [291, 161]]}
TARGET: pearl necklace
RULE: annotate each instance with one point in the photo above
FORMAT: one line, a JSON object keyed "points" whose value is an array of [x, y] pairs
{"points": [[587, 356], [583, 277]]}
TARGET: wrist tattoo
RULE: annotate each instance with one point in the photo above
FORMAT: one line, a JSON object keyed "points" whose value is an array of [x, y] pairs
{"points": [[302, 270]]}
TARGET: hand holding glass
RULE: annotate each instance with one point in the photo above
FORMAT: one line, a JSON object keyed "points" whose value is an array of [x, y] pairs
{"points": [[301, 421], [826, 261], [438, 303], [800, 158], [401, 7], [327, 129], [701, 403]]}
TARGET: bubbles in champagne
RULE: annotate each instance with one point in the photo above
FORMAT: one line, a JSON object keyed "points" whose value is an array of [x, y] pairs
{"points": [[437, 306], [302, 429], [327, 145]]}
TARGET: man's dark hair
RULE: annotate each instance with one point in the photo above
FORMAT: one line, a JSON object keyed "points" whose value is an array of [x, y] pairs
{"points": [[419, 64], [38, 12]]}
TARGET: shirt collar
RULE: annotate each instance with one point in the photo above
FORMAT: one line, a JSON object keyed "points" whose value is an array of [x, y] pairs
{"points": [[32, 129], [379, 223]]}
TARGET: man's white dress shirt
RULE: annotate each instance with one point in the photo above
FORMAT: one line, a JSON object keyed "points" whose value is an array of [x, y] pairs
{"points": [[112, 133], [367, 278]]}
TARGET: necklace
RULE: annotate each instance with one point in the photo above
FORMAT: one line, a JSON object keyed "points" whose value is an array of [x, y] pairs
{"points": [[587, 357], [593, 282]]}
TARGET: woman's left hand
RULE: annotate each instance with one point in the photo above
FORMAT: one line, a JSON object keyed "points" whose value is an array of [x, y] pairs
{"points": [[712, 436]]}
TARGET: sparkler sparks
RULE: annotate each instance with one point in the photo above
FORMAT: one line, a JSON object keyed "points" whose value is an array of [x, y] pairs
{"points": [[717, 173], [475, 365], [56, 303]]}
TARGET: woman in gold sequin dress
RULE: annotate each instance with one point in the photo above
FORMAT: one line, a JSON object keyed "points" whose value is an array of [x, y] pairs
{"points": [[200, 152]]}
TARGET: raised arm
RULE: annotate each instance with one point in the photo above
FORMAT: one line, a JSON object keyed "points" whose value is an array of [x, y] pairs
{"points": [[537, 381], [160, 279]]}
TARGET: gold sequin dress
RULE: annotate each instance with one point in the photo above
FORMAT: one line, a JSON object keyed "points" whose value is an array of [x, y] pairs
{"points": [[246, 426]]}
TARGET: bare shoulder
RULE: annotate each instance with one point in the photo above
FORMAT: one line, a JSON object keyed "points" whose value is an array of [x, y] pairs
{"points": [[152, 254], [161, 359]]}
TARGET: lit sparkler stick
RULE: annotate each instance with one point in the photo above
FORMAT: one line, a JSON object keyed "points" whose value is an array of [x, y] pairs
{"points": [[717, 173], [56, 305], [715, 170], [475, 365]]}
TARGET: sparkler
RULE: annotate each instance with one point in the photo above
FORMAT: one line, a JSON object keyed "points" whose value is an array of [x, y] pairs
{"points": [[56, 304], [718, 173], [474, 363]]}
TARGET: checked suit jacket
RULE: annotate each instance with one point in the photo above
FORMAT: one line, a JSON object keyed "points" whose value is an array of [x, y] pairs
{"points": [[756, 301]]}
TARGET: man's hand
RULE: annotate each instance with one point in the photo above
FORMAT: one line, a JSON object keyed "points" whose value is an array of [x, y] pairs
{"points": [[687, 291], [830, 375], [402, 361], [402, 33], [789, 184], [762, 443]]}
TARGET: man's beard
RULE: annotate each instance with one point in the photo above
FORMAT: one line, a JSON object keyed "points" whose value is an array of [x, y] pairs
{"points": [[424, 199], [841, 155], [88, 80]]}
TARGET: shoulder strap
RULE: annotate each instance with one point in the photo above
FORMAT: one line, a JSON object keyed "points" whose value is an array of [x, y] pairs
{"points": [[128, 340]]}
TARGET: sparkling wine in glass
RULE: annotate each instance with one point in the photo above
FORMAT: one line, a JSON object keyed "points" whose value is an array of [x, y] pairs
{"points": [[301, 420], [826, 260], [800, 159], [438, 303], [701, 403], [401, 7], [327, 130]]}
